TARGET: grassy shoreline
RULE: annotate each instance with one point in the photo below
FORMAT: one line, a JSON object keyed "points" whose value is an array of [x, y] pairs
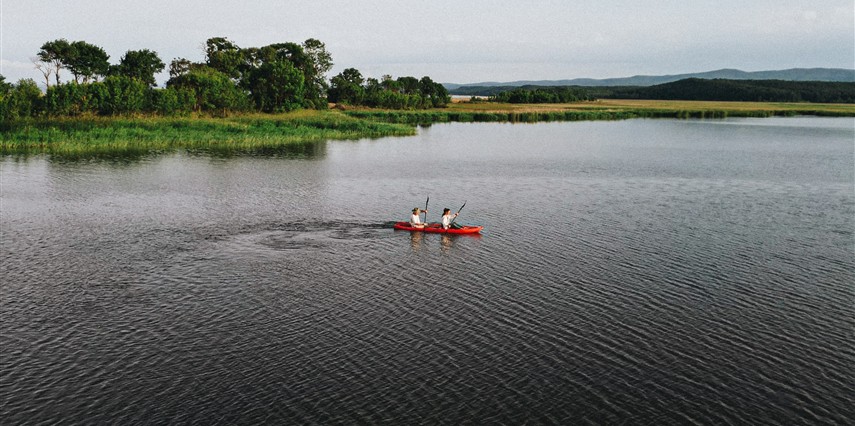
{"points": [[607, 109], [104, 135]]}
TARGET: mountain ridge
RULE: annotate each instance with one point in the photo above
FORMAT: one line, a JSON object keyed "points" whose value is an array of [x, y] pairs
{"points": [[791, 74]]}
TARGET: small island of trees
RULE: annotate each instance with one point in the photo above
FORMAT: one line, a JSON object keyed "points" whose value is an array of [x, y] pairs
{"points": [[275, 78]]}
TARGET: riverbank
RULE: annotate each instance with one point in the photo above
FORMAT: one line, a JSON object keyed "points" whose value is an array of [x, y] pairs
{"points": [[606, 109], [104, 135], [121, 135]]}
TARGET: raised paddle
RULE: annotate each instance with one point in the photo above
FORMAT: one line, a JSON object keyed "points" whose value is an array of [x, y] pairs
{"points": [[455, 216], [426, 204]]}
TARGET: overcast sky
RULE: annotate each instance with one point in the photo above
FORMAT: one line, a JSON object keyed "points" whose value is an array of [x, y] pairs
{"points": [[458, 41]]}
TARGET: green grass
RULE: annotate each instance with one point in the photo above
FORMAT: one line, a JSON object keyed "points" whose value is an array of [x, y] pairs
{"points": [[94, 136], [99, 135], [602, 110]]}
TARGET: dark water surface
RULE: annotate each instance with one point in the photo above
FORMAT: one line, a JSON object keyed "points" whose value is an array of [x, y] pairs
{"points": [[637, 272]]}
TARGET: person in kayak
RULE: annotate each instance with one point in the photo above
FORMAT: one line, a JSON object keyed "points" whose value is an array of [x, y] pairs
{"points": [[447, 217], [415, 219]]}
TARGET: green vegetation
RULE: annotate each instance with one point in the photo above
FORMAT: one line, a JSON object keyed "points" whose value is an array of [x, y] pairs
{"points": [[277, 95], [349, 88], [94, 135], [91, 135], [696, 89], [601, 110], [276, 78], [687, 89], [542, 95]]}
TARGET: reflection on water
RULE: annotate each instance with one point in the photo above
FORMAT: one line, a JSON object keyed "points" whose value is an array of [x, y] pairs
{"points": [[646, 271], [307, 150], [416, 240]]}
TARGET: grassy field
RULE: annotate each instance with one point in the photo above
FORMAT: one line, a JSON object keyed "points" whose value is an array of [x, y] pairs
{"points": [[81, 136]]}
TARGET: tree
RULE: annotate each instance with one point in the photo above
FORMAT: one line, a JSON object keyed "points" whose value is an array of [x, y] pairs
{"points": [[21, 100], [319, 63], [346, 87], [56, 53], [124, 95], [224, 56], [434, 92], [45, 68], [178, 67], [213, 90], [5, 87], [408, 85], [389, 83], [277, 86], [141, 65], [86, 61]]}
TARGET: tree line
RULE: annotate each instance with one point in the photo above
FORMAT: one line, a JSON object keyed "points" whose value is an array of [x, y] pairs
{"points": [[350, 88], [687, 89], [696, 89], [541, 95], [274, 78]]}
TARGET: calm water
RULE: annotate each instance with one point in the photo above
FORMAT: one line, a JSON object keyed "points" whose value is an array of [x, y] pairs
{"points": [[638, 272]]}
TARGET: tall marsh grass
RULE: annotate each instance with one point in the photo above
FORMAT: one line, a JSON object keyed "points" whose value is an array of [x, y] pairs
{"points": [[82, 136], [591, 113], [76, 136]]}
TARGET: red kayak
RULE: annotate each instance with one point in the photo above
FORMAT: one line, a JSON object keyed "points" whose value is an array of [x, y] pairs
{"points": [[436, 228]]}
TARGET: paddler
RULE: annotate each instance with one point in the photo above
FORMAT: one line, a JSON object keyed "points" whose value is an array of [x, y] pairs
{"points": [[415, 219], [447, 217]]}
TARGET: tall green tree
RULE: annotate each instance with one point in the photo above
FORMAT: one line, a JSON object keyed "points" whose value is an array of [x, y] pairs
{"points": [[214, 91], [319, 63], [20, 100], [141, 65], [408, 85], [277, 86], [179, 67], [435, 93], [389, 83], [57, 53], [124, 95], [87, 61], [346, 87], [224, 56]]}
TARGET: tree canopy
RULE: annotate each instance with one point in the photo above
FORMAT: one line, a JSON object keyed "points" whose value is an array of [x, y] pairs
{"points": [[349, 87], [272, 78], [139, 64]]}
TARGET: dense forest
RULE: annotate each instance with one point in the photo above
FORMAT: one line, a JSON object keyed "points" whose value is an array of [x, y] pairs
{"points": [[542, 95], [687, 89], [695, 89], [273, 78]]}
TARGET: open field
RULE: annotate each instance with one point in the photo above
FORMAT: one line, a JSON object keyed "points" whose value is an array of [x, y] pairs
{"points": [[117, 135]]}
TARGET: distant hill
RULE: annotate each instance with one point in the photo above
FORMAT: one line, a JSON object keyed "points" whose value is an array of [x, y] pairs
{"points": [[697, 89], [793, 74], [701, 89]]}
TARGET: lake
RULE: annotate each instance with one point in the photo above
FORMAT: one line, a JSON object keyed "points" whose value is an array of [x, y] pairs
{"points": [[639, 271]]}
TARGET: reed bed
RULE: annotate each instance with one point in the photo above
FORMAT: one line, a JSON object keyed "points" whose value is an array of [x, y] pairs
{"points": [[601, 110], [81, 135]]}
